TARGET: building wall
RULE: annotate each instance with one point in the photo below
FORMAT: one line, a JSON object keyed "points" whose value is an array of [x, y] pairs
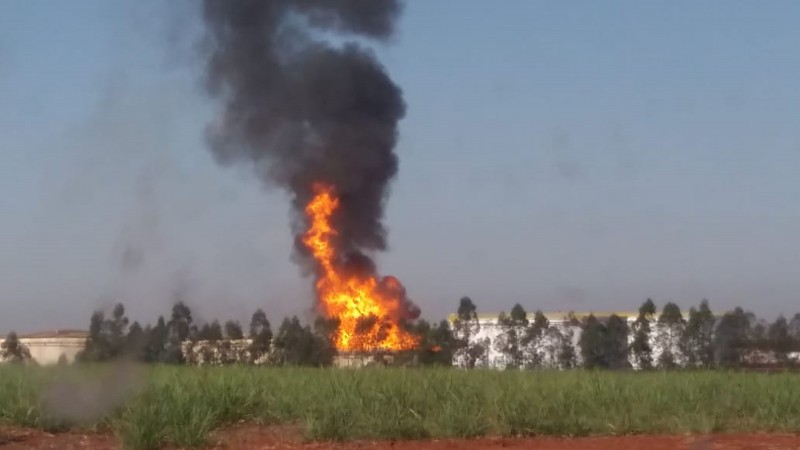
{"points": [[357, 361], [47, 351], [225, 351], [490, 330]]}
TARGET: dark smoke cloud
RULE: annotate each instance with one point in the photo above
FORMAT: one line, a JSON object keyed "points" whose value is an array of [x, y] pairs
{"points": [[303, 110]]}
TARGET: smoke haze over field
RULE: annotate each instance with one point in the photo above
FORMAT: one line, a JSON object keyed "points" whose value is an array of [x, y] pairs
{"points": [[562, 158]]}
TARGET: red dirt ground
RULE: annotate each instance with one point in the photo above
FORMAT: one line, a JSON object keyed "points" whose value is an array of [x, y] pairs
{"points": [[284, 438]]}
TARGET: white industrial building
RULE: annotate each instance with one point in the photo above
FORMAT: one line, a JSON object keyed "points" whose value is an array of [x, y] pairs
{"points": [[50, 347], [488, 331]]}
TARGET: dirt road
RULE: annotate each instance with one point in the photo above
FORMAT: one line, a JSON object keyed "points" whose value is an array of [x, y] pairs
{"points": [[281, 438]]}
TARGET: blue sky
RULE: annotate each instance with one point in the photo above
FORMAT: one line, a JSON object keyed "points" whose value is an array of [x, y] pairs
{"points": [[564, 155]]}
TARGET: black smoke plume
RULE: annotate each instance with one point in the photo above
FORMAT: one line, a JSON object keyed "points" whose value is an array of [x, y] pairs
{"points": [[303, 110]]}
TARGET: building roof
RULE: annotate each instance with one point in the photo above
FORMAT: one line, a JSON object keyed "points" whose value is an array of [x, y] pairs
{"points": [[558, 315], [51, 334], [580, 315]]}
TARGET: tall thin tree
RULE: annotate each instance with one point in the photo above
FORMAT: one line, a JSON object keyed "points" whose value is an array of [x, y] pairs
{"points": [[513, 336], [616, 343], [671, 328], [640, 347], [469, 351], [261, 337], [697, 342]]}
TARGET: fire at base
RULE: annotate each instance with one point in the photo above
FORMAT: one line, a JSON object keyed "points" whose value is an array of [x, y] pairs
{"points": [[369, 310]]}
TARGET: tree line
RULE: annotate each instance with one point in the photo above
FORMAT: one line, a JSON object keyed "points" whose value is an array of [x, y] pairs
{"points": [[664, 340], [178, 339]]}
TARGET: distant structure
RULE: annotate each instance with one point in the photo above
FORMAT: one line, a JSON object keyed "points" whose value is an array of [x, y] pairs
{"points": [[52, 347], [487, 333], [567, 323], [563, 325], [224, 351], [354, 361], [374, 359]]}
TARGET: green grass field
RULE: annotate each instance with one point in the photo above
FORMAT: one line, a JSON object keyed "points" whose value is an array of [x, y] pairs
{"points": [[153, 405]]}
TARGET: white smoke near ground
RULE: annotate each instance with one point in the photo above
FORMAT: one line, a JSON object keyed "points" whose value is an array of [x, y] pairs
{"points": [[82, 397]]}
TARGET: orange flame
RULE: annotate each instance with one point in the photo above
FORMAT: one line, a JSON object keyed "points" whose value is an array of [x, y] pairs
{"points": [[368, 309]]}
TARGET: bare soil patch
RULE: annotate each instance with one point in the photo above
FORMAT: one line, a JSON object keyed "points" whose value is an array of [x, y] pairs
{"points": [[290, 438], [14, 438]]}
